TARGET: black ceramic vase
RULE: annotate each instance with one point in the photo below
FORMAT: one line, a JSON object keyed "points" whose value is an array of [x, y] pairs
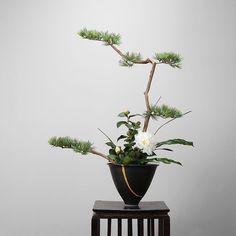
{"points": [[132, 181]]}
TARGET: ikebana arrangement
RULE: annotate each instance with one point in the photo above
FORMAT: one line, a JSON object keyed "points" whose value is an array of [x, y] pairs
{"points": [[133, 156]]}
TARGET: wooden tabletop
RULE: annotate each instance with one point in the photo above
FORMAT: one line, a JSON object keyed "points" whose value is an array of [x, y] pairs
{"points": [[119, 207]]}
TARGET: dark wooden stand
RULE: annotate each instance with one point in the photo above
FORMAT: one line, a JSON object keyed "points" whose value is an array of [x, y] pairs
{"points": [[148, 211]]}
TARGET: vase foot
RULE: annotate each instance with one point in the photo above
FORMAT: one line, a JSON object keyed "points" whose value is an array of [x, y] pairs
{"points": [[127, 206]]}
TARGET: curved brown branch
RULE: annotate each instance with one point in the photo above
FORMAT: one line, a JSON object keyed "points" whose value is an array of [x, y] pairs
{"points": [[146, 121], [148, 60], [101, 155], [123, 55], [117, 50]]}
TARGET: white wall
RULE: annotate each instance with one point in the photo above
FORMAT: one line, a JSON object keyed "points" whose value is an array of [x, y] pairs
{"points": [[54, 83]]}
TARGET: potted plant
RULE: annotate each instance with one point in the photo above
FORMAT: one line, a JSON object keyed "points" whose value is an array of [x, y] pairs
{"points": [[133, 157]]}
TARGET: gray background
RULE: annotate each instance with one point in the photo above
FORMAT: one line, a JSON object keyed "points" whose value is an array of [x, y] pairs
{"points": [[54, 83]]}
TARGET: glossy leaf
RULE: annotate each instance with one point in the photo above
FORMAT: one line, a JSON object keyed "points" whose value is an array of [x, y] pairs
{"points": [[119, 123], [175, 141], [164, 149], [112, 156], [111, 144], [121, 137], [163, 160], [134, 115], [124, 114]]}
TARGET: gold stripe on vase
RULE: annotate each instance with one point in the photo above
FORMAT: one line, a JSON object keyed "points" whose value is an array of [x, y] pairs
{"points": [[127, 182]]}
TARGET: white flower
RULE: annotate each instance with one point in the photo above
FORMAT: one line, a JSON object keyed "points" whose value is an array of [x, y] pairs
{"points": [[145, 141]]}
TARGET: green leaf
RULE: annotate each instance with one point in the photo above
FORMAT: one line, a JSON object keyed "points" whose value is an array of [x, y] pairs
{"points": [[126, 160], [112, 156], [111, 144], [165, 149], [135, 125], [122, 137], [129, 145], [122, 114], [174, 141], [106, 136], [118, 124], [163, 160], [134, 115]]}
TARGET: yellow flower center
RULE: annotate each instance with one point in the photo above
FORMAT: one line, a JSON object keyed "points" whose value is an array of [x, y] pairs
{"points": [[145, 142]]}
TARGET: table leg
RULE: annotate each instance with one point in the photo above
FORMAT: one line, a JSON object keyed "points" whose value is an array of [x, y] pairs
{"points": [[95, 226], [119, 227], [167, 226], [109, 227], [140, 227], [164, 226], [161, 227], [130, 227], [150, 227]]}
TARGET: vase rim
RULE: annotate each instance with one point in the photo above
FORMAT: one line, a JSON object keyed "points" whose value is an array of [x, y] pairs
{"points": [[133, 165]]}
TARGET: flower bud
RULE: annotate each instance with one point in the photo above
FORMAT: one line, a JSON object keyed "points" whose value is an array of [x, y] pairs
{"points": [[117, 150], [126, 112]]}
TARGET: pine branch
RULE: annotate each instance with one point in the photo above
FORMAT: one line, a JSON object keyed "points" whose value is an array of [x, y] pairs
{"points": [[129, 59], [170, 58], [135, 59], [76, 145], [163, 111], [107, 38]]}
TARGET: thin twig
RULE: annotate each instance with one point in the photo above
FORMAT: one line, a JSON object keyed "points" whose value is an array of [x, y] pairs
{"points": [[158, 100], [170, 121], [106, 136]]}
